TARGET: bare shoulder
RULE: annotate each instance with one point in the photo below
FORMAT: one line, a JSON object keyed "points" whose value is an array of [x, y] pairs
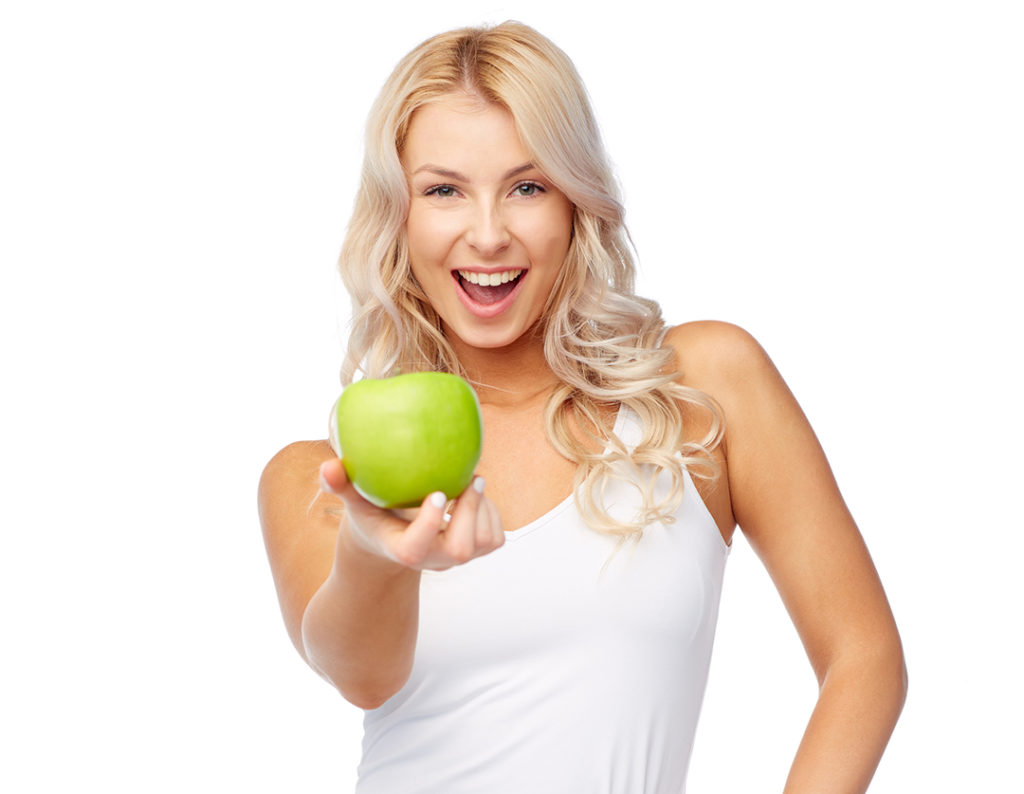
{"points": [[725, 363], [289, 477], [292, 466], [288, 490], [299, 453], [716, 356], [728, 364]]}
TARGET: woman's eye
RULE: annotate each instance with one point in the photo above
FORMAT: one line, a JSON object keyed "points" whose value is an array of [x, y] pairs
{"points": [[528, 189], [444, 191]]}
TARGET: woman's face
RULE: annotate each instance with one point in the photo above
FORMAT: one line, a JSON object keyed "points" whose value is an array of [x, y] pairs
{"points": [[487, 231]]}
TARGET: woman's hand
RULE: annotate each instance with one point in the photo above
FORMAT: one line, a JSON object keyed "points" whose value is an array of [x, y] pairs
{"points": [[422, 540]]}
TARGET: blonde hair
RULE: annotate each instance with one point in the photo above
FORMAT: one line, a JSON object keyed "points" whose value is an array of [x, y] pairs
{"points": [[602, 341]]}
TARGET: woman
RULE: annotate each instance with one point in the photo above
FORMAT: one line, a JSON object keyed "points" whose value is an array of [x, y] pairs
{"points": [[552, 634]]}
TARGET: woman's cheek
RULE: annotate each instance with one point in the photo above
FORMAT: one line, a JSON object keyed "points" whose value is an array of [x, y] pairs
{"points": [[431, 235]]}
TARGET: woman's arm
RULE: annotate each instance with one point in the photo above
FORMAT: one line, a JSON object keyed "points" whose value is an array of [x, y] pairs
{"points": [[347, 573], [787, 503]]}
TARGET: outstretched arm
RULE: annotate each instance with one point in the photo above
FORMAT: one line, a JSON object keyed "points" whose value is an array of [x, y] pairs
{"points": [[347, 573]]}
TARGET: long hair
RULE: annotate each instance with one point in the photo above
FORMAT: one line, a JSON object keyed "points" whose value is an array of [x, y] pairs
{"points": [[602, 341]]}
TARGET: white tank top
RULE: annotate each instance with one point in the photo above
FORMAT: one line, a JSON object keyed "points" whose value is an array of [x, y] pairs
{"points": [[537, 671]]}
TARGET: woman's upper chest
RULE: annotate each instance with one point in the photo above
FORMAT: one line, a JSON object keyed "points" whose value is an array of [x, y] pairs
{"points": [[525, 476]]}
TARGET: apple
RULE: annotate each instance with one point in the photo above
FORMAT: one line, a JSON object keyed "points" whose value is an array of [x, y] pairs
{"points": [[407, 436]]}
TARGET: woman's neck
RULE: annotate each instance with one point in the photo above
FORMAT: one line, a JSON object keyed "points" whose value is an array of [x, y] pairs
{"points": [[509, 375]]}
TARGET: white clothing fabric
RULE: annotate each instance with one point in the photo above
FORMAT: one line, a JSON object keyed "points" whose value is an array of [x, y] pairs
{"points": [[537, 671]]}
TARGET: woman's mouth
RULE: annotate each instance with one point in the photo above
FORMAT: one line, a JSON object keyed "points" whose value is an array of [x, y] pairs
{"points": [[488, 288], [488, 294]]}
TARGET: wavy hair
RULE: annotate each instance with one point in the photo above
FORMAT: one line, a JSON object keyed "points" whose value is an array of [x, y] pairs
{"points": [[602, 341]]}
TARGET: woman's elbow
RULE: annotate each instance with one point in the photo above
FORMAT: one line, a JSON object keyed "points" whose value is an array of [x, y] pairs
{"points": [[891, 664], [367, 693], [902, 676], [366, 686], [881, 669]]}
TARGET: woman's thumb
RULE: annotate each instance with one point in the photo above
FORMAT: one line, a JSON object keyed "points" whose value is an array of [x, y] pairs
{"points": [[333, 479]]}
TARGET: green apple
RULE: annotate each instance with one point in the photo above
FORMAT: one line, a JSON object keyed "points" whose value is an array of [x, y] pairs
{"points": [[402, 438]]}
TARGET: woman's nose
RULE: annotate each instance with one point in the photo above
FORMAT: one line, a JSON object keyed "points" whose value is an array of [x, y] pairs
{"points": [[488, 232]]}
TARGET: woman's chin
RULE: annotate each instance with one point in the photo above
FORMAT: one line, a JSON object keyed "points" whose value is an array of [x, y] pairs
{"points": [[468, 337]]}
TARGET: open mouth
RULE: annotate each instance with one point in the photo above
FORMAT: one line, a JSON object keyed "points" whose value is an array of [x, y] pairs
{"points": [[488, 288]]}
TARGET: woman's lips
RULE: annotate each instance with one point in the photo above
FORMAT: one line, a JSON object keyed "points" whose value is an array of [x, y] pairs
{"points": [[492, 294]]}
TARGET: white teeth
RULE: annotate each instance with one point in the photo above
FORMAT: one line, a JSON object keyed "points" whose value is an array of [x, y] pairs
{"points": [[490, 279]]}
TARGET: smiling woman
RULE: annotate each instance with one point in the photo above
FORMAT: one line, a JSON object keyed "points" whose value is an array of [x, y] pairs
{"points": [[487, 245], [472, 167], [554, 632]]}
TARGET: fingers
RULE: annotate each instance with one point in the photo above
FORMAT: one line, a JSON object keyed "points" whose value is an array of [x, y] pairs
{"points": [[475, 528], [460, 537], [490, 534], [497, 528], [412, 545], [334, 480], [332, 476], [376, 529], [427, 541]]}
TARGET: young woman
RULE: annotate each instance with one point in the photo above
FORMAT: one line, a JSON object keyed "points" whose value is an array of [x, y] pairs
{"points": [[551, 632]]}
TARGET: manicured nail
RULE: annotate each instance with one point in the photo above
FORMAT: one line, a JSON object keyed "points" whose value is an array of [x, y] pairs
{"points": [[324, 486], [478, 484], [438, 499]]}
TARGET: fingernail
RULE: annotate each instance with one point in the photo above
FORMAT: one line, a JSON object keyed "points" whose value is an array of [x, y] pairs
{"points": [[478, 484], [438, 499], [324, 486]]}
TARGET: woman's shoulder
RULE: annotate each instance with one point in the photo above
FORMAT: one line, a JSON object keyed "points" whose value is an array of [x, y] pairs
{"points": [[294, 467], [301, 453], [288, 487], [712, 355]]}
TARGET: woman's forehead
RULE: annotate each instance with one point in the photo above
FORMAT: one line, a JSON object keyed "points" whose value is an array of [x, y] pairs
{"points": [[460, 132]]}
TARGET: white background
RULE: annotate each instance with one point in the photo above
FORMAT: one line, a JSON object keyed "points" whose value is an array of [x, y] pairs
{"points": [[842, 179]]}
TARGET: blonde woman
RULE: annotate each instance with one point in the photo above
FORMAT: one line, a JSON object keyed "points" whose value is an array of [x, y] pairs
{"points": [[552, 631]]}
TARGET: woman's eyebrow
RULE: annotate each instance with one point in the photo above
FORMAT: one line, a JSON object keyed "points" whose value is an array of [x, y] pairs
{"points": [[519, 170], [448, 173]]}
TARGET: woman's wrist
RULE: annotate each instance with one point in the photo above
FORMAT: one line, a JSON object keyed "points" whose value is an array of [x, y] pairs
{"points": [[355, 556]]}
